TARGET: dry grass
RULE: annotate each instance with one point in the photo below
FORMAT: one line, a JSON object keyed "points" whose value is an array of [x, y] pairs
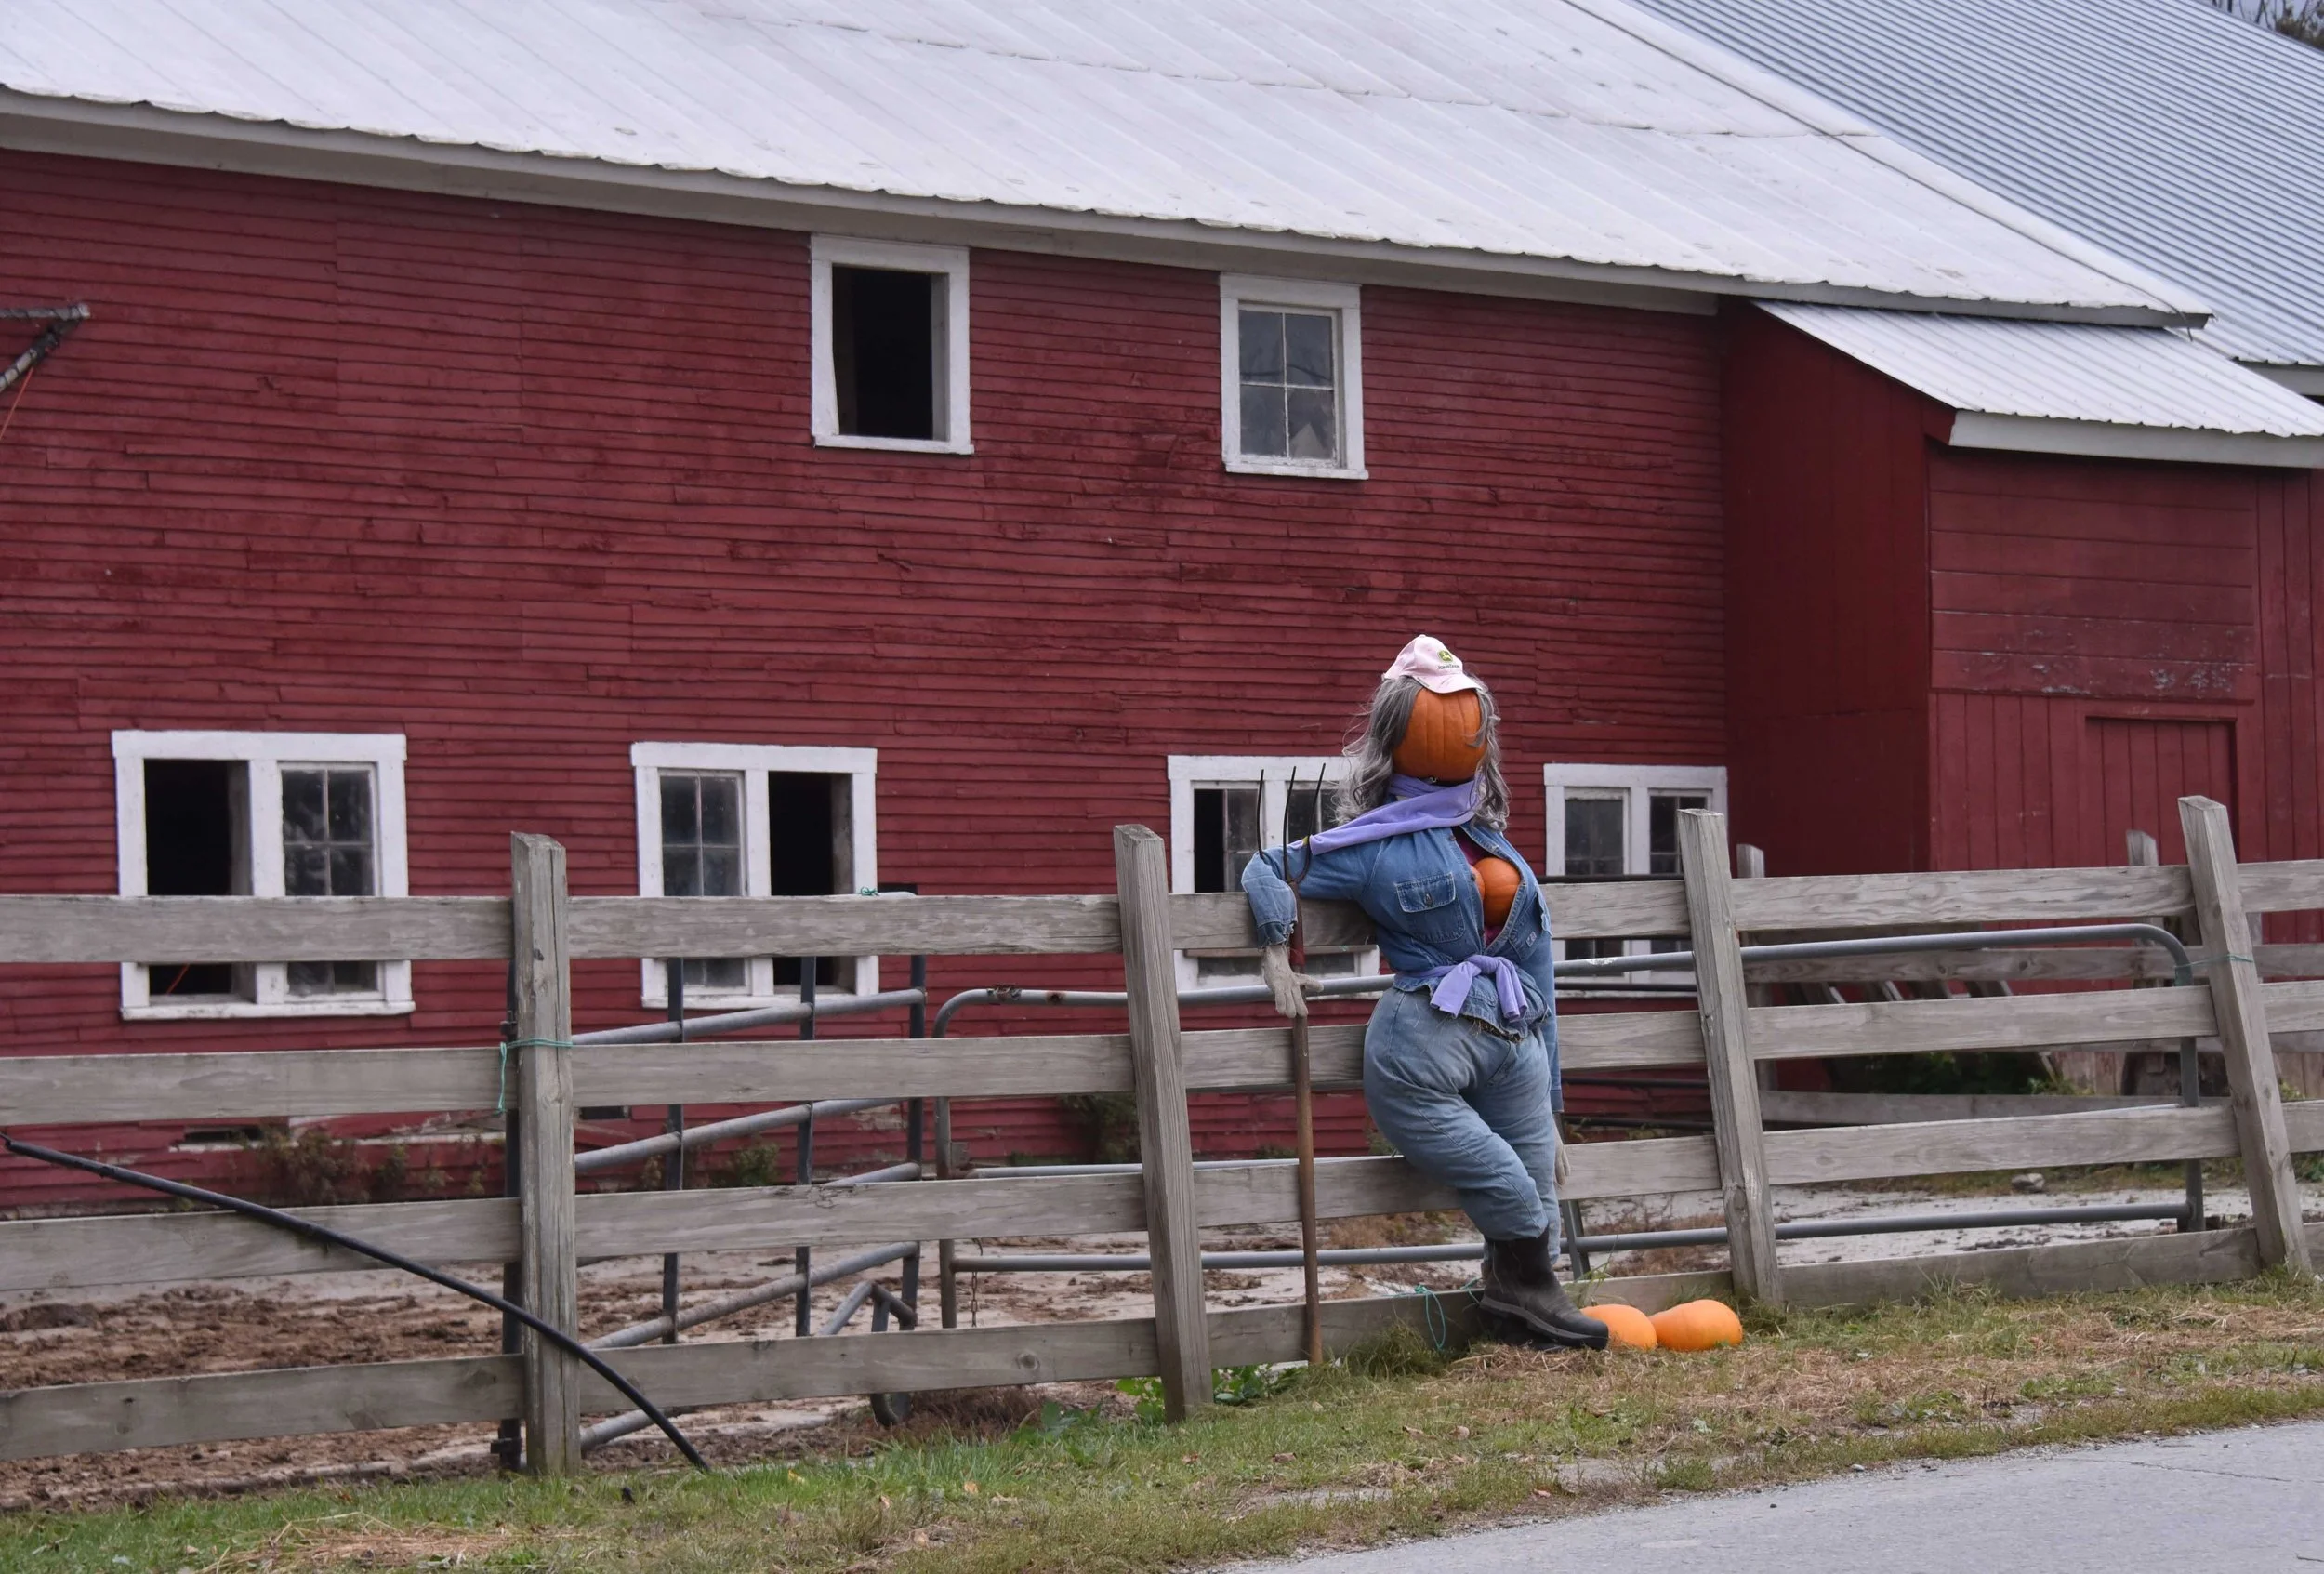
{"points": [[1400, 1440]]}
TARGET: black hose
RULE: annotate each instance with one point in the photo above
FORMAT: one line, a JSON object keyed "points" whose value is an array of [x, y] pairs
{"points": [[313, 1231]]}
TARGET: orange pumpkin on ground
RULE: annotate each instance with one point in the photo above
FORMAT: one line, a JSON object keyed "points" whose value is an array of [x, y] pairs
{"points": [[1497, 883], [1624, 1325], [1699, 1325], [1444, 739]]}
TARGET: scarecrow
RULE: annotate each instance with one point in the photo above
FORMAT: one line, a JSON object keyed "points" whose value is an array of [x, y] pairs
{"points": [[1460, 1058]]}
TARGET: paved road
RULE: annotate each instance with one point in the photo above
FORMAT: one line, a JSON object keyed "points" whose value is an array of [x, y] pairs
{"points": [[2246, 1501]]}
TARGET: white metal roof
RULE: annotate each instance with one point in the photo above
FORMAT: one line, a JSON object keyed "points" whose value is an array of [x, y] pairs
{"points": [[2163, 129], [1581, 135], [2065, 386]]}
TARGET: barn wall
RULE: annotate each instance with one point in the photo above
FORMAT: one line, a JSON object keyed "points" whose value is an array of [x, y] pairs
{"points": [[530, 484], [1827, 604], [2097, 652]]}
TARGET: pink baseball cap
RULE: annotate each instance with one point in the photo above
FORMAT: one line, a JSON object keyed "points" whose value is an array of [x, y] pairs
{"points": [[1430, 661]]}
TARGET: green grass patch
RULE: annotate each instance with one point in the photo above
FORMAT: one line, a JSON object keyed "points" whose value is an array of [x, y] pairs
{"points": [[1400, 1440]]}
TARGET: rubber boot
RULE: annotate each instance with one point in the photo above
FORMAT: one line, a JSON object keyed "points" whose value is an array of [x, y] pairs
{"points": [[1522, 1295]]}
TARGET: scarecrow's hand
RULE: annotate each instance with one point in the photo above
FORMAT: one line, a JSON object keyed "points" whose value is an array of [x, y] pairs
{"points": [[1559, 1169], [1289, 988]]}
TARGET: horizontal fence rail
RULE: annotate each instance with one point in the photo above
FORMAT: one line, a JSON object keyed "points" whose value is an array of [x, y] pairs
{"points": [[545, 1077]]}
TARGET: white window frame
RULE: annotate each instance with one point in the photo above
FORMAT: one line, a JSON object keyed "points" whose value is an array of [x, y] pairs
{"points": [[952, 262], [1638, 784], [265, 755], [1272, 772], [752, 762], [1346, 303]]}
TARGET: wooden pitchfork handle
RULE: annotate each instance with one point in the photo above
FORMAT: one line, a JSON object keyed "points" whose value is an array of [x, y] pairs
{"points": [[1303, 1102]]}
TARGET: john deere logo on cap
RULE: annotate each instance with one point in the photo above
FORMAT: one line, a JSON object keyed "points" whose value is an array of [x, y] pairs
{"points": [[1446, 656]]}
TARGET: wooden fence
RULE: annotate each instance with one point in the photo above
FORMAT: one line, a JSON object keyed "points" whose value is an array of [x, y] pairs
{"points": [[548, 1229]]}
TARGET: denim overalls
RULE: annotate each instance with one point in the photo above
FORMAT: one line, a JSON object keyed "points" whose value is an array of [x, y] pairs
{"points": [[1469, 1099]]}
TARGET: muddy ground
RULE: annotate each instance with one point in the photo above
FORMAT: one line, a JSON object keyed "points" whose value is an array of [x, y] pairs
{"points": [[329, 1318]]}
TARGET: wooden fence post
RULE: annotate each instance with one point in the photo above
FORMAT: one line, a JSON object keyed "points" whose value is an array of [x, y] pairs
{"points": [[2250, 1054], [1734, 1083], [541, 1091], [1166, 1140]]}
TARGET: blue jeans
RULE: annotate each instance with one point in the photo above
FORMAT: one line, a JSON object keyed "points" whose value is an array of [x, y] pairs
{"points": [[1469, 1107]]}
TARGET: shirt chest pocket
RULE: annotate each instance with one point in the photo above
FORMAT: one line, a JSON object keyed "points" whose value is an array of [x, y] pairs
{"points": [[1430, 905]]}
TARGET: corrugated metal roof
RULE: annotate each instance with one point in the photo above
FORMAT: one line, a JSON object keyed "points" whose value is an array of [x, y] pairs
{"points": [[2062, 371], [2163, 129], [1585, 131]]}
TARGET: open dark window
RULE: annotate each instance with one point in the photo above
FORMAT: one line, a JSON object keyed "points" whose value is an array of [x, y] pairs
{"points": [[197, 843], [887, 352], [808, 839], [1226, 835]]}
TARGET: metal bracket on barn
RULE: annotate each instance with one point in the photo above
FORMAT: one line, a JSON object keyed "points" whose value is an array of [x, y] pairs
{"points": [[60, 320]]}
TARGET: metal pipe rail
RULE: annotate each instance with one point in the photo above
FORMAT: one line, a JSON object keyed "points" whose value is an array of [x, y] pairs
{"points": [[1643, 1240], [761, 1016], [692, 1137]]}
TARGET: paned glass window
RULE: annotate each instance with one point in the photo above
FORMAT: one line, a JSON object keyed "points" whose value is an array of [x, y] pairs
{"points": [[702, 856], [1290, 385], [329, 849]]}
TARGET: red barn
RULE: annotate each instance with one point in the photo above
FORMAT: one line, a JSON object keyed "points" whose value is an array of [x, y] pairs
{"points": [[914, 445]]}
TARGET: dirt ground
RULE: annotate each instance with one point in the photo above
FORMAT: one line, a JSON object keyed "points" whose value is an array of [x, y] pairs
{"points": [[328, 1318]]}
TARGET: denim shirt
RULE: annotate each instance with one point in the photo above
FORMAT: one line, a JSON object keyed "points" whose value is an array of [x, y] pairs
{"points": [[1425, 905]]}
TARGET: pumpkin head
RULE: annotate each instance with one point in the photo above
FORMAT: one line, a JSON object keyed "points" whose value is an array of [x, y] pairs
{"points": [[1624, 1325], [1497, 883], [1444, 739], [1699, 1325]]}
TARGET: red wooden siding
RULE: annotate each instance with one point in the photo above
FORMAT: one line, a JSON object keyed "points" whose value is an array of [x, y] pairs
{"points": [[2096, 640], [530, 484], [1827, 604], [2138, 772]]}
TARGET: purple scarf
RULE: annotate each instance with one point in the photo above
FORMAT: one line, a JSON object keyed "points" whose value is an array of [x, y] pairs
{"points": [[1414, 805], [1420, 806]]}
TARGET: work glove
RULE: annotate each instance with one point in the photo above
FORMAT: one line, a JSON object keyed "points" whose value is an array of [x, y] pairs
{"points": [[1558, 1166], [1289, 988]]}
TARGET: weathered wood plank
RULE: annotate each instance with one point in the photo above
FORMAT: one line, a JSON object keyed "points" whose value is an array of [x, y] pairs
{"points": [[1721, 1004], [249, 929], [2304, 1126], [844, 926], [543, 1104], [2018, 1022], [1941, 1147], [62, 1090], [738, 1071], [64, 1254], [1345, 1188], [2083, 963], [2021, 1272], [1165, 1141], [2235, 984], [92, 1418], [1616, 1041], [1968, 898], [2293, 1008], [1220, 920], [1889, 1109], [2289, 886], [638, 1223], [1226, 1059]]}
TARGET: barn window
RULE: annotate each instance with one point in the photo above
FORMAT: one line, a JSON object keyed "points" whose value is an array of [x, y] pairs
{"points": [[262, 814], [890, 331], [1223, 809], [755, 820], [1621, 822], [1291, 367]]}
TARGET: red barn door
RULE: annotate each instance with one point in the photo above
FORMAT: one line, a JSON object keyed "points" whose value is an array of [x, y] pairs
{"points": [[2140, 771]]}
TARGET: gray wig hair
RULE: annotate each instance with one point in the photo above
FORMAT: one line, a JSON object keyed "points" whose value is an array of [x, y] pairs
{"points": [[1371, 754]]}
